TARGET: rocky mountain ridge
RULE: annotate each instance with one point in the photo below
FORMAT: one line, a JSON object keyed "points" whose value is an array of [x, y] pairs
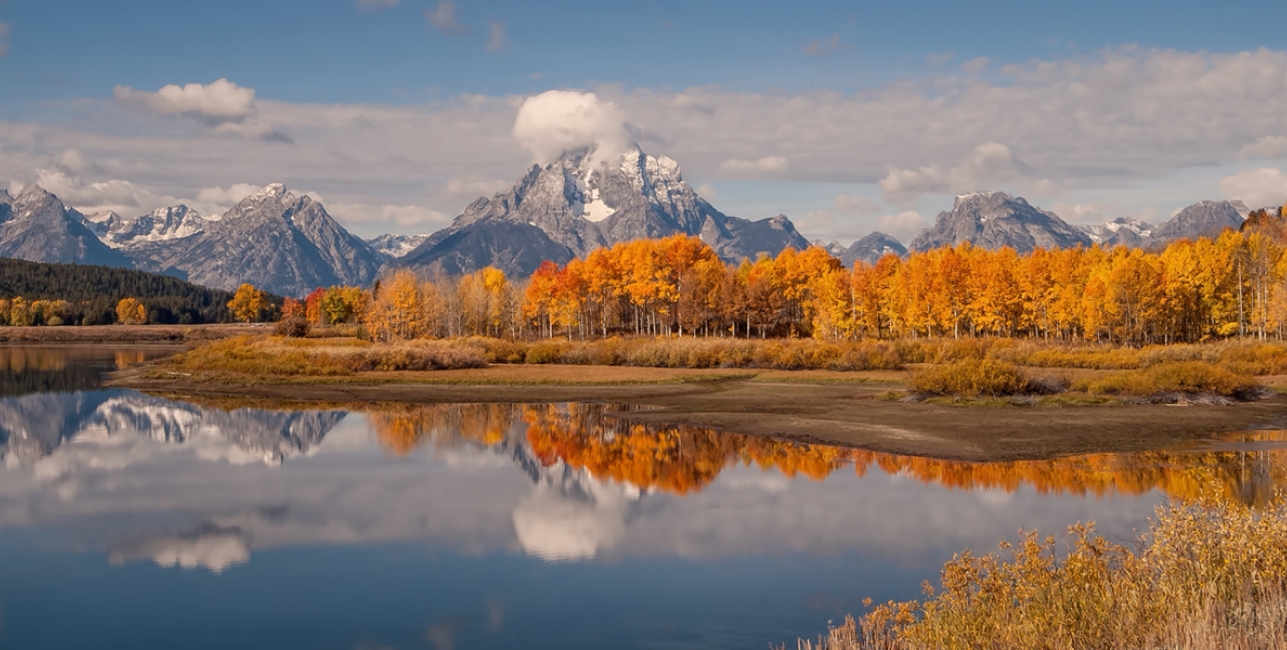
{"points": [[578, 203]]}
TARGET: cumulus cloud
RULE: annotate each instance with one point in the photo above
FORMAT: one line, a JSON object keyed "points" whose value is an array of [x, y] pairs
{"points": [[222, 105], [444, 19], [214, 200], [903, 226], [66, 182], [4, 38], [496, 37], [988, 165], [556, 121], [1262, 187], [766, 166], [1270, 146], [1094, 125]]}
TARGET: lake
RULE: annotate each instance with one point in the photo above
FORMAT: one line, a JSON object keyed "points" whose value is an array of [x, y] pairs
{"points": [[142, 521]]}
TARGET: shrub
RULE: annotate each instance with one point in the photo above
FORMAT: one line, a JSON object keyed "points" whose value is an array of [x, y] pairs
{"points": [[296, 328], [546, 352], [971, 379], [1208, 575], [1188, 377]]}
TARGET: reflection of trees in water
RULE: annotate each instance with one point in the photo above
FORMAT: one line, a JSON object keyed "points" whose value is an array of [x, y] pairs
{"points": [[25, 370], [685, 459]]}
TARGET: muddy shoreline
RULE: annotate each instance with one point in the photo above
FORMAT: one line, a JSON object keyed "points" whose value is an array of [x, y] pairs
{"points": [[849, 414]]}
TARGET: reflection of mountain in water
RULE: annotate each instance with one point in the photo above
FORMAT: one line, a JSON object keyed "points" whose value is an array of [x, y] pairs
{"points": [[33, 426]]}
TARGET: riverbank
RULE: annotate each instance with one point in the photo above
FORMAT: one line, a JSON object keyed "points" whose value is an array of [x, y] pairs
{"points": [[852, 409], [127, 333]]}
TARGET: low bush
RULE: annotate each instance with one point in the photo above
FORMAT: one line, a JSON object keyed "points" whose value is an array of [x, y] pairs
{"points": [[1209, 574], [988, 377], [1186, 377], [297, 328]]}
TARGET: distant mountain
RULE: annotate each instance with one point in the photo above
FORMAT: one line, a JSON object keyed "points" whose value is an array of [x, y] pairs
{"points": [[163, 225], [36, 226], [870, 249], [1202, 219], [996, 219], [1122, 231], [281, 242], [578, 203], [392, 247]]}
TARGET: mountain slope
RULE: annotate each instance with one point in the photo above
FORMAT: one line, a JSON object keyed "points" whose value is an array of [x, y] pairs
{"points": [[996, 219], [579, 203], [870, 249], [1202, 219], [278, 241], [39, 228], [1122, 231]]}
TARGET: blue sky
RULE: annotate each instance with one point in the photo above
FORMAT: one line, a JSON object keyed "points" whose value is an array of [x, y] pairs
{"points": [[467, 66]]}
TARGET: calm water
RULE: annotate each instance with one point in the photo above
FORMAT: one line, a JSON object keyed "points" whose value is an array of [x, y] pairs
{"points": [[128, 520]]}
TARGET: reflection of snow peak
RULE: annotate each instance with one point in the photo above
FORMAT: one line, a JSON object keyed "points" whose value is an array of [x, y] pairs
{"points": [[114, 428]]}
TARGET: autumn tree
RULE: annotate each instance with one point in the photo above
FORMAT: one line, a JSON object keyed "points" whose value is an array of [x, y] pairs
{"points": [[248, 303], [129, 311]]}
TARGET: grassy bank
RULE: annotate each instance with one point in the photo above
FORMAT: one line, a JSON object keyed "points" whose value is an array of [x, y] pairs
{"points": [[1207, 575], [994, 371]]}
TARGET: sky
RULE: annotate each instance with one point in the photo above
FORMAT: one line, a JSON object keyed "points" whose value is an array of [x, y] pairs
{"points": [[848, 117]]}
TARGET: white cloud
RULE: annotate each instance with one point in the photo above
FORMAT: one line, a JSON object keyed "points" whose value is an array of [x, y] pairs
{"points": [[1268, 147], [221, 101], [444, 19], [4, 38], [221, 105], [768, 165], [822, 47], [216, 200], [1121, 122], [1258, 188], [903, 226], [987, 166], [706, 191], [496, 37], [117, 195], [556, 121], [976, 65]]}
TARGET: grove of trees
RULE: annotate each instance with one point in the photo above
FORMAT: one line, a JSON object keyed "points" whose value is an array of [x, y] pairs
{"points": [[1234, 284]]}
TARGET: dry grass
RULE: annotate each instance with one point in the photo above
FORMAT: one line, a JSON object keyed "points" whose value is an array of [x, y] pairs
{"points": [[1208, 575], [781, 354], [321, 357], [986, 377], [1185, 377]]}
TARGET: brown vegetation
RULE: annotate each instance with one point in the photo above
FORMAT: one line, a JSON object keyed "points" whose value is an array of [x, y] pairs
{"points": [[1209, 574]]}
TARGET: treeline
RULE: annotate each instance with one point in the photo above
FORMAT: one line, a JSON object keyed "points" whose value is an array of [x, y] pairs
{"points": [[36, 293], [1235, 284]]}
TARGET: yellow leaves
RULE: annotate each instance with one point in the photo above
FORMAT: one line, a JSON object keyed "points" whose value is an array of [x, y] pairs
{"points": [[248, 303], [129, 311]]}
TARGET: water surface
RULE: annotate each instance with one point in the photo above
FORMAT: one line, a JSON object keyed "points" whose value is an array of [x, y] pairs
{"points": [[130, 520]]}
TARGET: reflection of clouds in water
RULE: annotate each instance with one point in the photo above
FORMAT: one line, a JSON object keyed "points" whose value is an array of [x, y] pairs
{"points": [[102, 490], [214, 550], [552, 526]]}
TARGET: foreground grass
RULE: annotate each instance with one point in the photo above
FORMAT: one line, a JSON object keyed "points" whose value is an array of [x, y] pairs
{"points": [[1207, 575]]}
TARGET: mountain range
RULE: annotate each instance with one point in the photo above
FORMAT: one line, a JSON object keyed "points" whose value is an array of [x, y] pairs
{"points": [[290, 244]]}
